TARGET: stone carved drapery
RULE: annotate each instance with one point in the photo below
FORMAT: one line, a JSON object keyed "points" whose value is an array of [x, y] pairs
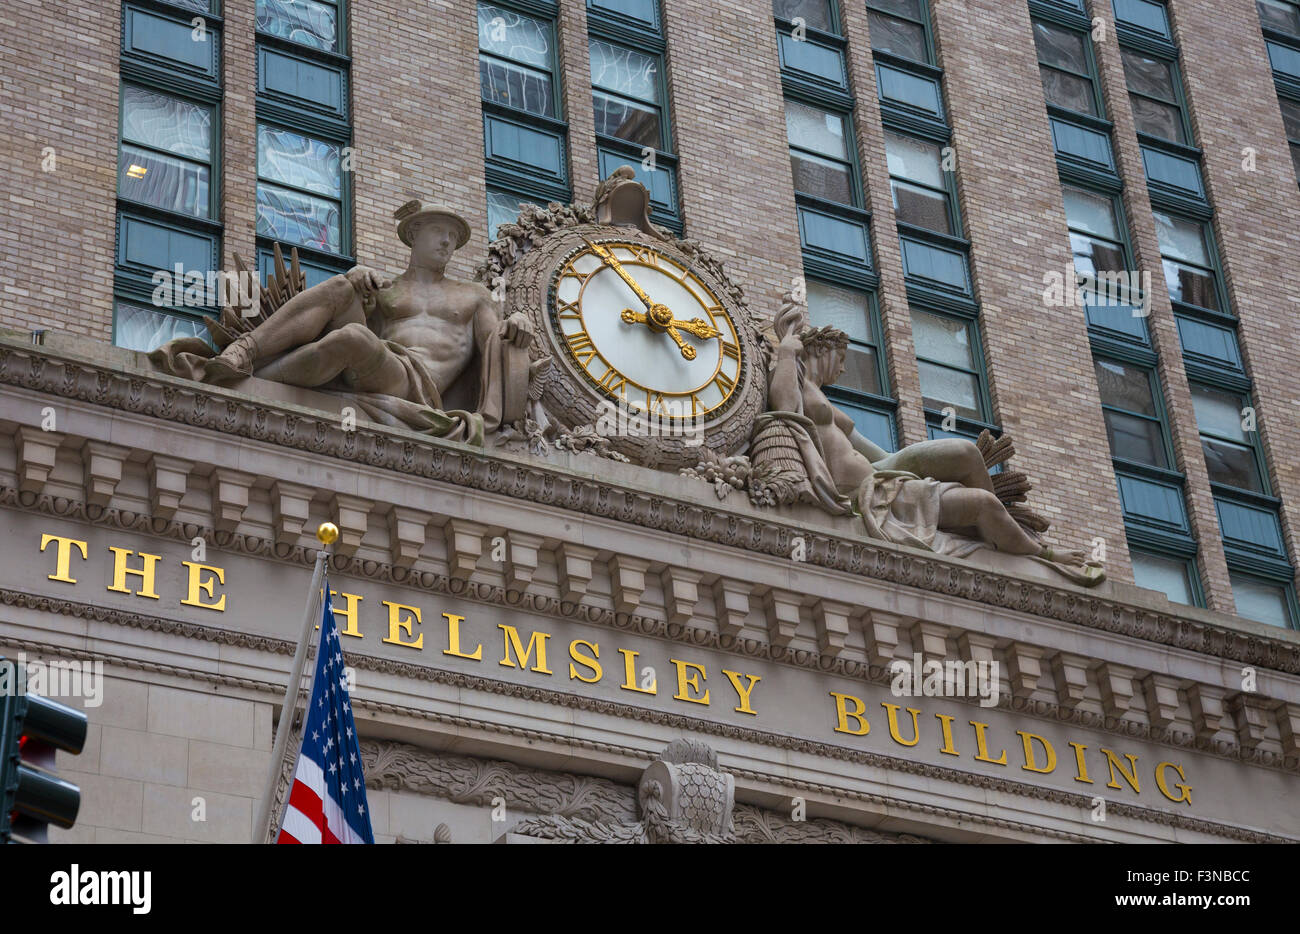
{"points": [[682, 798]]}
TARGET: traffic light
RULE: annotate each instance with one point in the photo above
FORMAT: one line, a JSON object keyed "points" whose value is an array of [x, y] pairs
{"points": [[32, 728]]}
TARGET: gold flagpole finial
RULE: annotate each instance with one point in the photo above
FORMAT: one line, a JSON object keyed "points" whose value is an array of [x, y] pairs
{"points": [[328, 533]]}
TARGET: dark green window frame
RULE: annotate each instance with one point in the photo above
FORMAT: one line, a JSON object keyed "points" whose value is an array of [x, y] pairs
{"points": [[785, 12], [1190, 568], [1246, 445], [550, 74], [980, 415], [849, 163], [624, 30], [1147, 18], [1291, 609], [1282, 41], [305, 38], [1290, 107], [193, 85], [1157, 417], [1177, 99], [948, 191], [1090, 75], [1211, 271], [892, 9]]}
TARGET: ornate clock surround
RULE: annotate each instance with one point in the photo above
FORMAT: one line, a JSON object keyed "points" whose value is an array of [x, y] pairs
{"points": [[568, 394]]}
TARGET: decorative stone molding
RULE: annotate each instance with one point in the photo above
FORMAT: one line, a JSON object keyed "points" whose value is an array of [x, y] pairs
{"points": [[1026, 667], [731, 606], [37, 452], [169, 478], [883, 631], [1288, 721], [832, 622], [59, 373], [229, 498], [496, 595], [681, 594], [676, 721], [627, 582], [576, 567], [1163, 701], [352, 515], [523, 556], [102, 469], [290, 508], [930, 640], [464, 546], [407, 533], [1117, 688], [1071, 675], [1208, 714], [1251, 718], [781, 608]]}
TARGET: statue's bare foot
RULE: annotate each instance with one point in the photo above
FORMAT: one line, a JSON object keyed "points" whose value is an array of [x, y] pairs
{"points": [[1068, 556]]}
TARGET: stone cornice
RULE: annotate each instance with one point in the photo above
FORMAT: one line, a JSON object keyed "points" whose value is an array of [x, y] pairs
{"points": [[64, 374], [673, 721], [543, 605]]}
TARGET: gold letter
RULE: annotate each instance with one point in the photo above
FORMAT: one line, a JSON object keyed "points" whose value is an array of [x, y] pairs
{"points": [[396, 624], [349, 613], [892, 711], [945, 722], [743, 693], [206, 586], [453, 639], [587, 660], [1031, 763], [981, 749], [1112, 763], [693, 682], [120, 570], [64, 556], [512, 641], [629, 669], [842, 714], [1186, 790], [1083, 766]]}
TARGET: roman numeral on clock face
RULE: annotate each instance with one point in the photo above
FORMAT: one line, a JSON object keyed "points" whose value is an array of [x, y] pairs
{"points": [[613, 382], [568, 311], [725, 383], [582, 347]]}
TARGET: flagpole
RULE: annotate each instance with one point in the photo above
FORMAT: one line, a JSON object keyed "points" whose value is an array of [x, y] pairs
{"points": [[328, 533]]}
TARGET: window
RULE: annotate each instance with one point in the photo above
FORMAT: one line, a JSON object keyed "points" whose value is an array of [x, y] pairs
{"points": [[1188, 259], [299, 189], [1065, 66], [629, 91], [165, 157], [308, 22], [503, 208], [1280, 16], [516, 60], [1262, 600], [1171, 576], [899, 27], [1230, 453], [820, 152], [948, 362], [626, 94], [816, 14], [1144, 15], [1291, 120], [851, 311], [919, 183], [1134, 421], [168, 175], [1153, 90], [1097, 242]]}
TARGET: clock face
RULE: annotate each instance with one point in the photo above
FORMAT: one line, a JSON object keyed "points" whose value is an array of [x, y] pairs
{"points": [[646, 330]]}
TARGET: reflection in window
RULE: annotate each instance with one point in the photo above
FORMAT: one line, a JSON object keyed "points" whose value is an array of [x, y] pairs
{"points": [[306, 22], [1064, 68], [947, 365], [1132, 418], [1261, 600], [820, 157], [1187, 260], [136, 327], [516, 60], [302, 169], [1170, 576]]}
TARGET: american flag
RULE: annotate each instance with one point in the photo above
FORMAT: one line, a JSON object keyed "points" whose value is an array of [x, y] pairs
{"points": [[327, 802]]}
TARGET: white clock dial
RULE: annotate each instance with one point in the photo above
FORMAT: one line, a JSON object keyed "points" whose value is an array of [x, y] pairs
{"points": [[638, 364]]}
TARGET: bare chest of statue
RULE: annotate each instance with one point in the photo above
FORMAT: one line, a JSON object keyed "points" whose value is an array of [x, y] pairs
{"points": [[435, 318]]}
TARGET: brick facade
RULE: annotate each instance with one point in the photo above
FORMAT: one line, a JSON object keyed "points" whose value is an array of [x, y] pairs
{"points": [[418, 133]]}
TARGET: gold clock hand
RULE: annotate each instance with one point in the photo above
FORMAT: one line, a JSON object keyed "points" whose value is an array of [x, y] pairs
{"points": [[696, 326], [610, 260], [687, 350], [640, 317]]}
